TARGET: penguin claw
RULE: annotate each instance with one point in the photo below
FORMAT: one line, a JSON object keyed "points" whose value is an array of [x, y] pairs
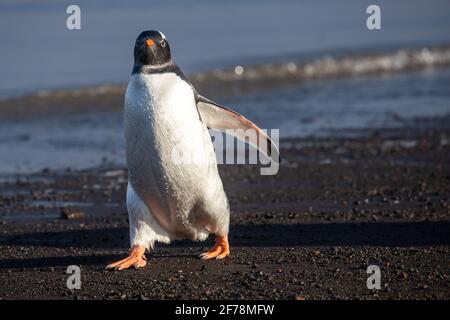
{"points": [[222, 255], [219, 251], [136, 259]]}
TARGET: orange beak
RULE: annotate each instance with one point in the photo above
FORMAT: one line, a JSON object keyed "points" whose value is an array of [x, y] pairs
{"points": [[149, 42]]}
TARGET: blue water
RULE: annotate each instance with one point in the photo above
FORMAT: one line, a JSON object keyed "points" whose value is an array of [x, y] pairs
{"points": [[38, 52], [322, 108], [359, 105]]}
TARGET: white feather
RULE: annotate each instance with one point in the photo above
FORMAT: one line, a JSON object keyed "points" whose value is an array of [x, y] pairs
{"points": [[181, 200], [144, 230]]}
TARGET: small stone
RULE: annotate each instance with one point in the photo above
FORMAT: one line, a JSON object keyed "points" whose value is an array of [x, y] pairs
{"points": [[72, 215]]}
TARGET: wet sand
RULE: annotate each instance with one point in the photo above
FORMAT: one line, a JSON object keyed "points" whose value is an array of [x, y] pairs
{"points": [[335, 207]]}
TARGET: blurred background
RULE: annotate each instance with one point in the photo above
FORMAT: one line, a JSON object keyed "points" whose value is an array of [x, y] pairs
{"points": [[308, 68]]}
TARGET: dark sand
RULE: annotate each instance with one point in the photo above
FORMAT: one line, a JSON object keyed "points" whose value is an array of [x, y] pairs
{"points": [[310, 232]]}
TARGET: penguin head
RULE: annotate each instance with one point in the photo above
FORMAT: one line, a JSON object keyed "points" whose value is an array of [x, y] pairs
{"points": [[152, 49]]}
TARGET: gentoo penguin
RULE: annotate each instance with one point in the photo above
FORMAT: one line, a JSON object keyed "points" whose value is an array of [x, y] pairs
{"points": [[166, 121]]}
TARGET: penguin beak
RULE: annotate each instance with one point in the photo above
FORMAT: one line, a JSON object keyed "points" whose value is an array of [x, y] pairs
{"points": [[149, 42]]}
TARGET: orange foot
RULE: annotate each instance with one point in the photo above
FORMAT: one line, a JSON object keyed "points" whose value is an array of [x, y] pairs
{"points": [[136, 259], [219, 251]]}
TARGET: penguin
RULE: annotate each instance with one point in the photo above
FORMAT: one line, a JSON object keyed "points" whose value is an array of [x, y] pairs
{"points": [[169, 195]]}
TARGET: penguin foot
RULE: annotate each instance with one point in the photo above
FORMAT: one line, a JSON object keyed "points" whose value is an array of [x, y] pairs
{"points": [[136, 259], [219, 251]]}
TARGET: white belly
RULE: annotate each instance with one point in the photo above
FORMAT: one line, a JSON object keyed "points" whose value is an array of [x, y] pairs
{"points": [[170, 157]]}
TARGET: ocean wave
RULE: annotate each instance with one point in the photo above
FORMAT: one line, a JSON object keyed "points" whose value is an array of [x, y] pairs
{"points": [[243, 78]]}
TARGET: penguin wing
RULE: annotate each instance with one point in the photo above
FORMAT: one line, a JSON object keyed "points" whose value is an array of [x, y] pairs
{"points": [[214, 116]]}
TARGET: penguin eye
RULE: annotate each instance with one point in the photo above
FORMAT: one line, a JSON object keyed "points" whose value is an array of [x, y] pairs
{"points": [[163, 43]]}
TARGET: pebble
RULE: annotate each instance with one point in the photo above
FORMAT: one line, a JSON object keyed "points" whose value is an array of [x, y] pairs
{"points": [[67, 214]]}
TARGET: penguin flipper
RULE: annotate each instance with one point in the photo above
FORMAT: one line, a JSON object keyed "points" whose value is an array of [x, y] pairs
{"points": [[217, 117]]}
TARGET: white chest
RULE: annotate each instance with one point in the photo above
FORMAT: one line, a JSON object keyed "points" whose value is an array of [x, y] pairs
{"points": [[163, 130], [162, 124], [165, 99]]}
